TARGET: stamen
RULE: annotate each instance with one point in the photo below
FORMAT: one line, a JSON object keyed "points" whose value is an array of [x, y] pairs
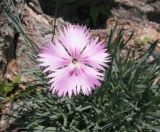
{"points": [[74, 60]]}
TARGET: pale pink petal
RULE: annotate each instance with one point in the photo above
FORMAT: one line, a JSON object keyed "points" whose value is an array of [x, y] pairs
{"points": [[74, 38], [53, 56], [95, 55], [74, 61]]}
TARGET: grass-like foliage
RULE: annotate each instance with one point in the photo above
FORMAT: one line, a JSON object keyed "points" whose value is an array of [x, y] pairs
{"points": [[129, 99]]}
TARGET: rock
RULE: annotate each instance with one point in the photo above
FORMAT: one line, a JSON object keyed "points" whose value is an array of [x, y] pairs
{"points": [[39, 27], [140, 5], [155, 16], [35, 5], [7, 48], [76, 11], [141, 9]]}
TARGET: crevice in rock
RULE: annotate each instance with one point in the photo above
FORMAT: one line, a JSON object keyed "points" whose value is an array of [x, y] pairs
{"points": [[75, 11]]}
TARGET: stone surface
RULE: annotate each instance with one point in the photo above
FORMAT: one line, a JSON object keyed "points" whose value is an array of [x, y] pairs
{"points": [[39, 26], [139, 9], [76, 11], [7, 47]]}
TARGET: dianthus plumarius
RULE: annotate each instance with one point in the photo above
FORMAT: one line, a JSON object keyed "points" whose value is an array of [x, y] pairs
{"points": [[74, 61]]}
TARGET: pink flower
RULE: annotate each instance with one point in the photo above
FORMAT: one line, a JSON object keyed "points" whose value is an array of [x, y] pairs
{"points": [[74, 61]]}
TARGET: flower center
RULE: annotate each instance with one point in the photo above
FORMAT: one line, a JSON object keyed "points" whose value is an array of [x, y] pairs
{"points": [[74, 61]]}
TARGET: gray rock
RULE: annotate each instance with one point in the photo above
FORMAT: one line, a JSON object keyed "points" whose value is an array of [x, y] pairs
{"points": [[6, 42], [148, 9]]}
